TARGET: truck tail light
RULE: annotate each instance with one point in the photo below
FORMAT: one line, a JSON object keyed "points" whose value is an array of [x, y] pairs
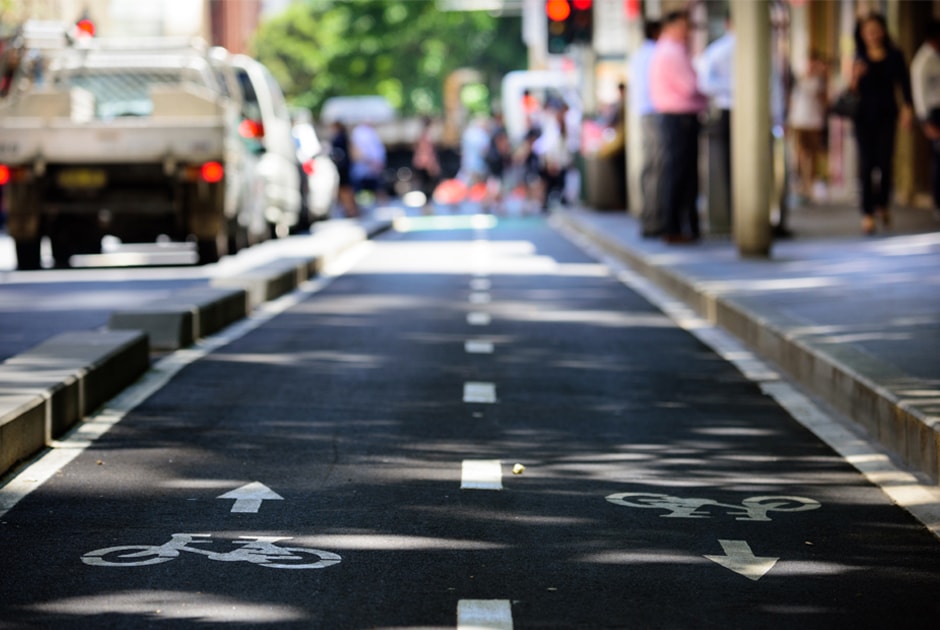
{"points": [[4, 174], [211, 172], [251, 129], [309, 167]]}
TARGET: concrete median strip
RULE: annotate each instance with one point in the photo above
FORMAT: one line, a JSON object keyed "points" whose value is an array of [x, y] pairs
{"points": [[52, 386]]}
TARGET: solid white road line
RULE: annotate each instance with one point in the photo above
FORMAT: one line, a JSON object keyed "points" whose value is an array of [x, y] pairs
{"points": [[484, 614], [475, 346], [481, 474], [476, 392], [479, 319]]}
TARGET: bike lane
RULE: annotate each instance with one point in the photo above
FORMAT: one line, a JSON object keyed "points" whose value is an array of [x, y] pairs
{"points": [[656, 486]]}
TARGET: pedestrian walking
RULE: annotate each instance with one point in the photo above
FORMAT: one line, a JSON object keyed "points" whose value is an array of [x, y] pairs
{"points": [[340, 154], [499, 163], [641, 102], [474, 143], [879, 70], [925, 90], [807, 121], [427, 167], [554, 153], [368, 160], [675, 94]]}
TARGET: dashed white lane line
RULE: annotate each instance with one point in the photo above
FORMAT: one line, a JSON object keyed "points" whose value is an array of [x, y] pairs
{"points": [[476, 392], [481, 474], [476, 346], [484, 614], [479, 319], [480, 284], [480, 297]]}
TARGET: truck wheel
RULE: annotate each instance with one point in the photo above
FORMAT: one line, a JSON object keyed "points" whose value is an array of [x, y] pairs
{"points": [[27, 254], [208, 251], [70, 236], [237, 237]]}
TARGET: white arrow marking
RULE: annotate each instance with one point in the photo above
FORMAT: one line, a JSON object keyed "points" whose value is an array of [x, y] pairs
{"points": [[248, 498], [740, 559], [484, 614]]}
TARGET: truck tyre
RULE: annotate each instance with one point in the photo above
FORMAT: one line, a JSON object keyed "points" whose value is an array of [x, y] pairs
{"points": [[27, 254], [237, 237], [73, 235], [208, 251]]}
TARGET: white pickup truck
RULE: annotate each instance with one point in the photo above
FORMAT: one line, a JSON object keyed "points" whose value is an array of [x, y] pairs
{"points": [[137, 140]]}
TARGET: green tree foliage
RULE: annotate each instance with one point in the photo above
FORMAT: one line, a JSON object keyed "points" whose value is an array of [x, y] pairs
{"points": [[402, 50]]}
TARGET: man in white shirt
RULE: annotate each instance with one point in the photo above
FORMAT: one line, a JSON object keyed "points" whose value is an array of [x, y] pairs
{"points": [[925, 89], [368, 159]]}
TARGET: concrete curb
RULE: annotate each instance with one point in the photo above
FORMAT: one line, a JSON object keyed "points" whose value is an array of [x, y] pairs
{"points": [[178, 320], [850, 384], [51, 387]]}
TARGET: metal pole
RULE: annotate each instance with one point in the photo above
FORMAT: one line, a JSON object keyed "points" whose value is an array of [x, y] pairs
{"points": [[751, 168]]}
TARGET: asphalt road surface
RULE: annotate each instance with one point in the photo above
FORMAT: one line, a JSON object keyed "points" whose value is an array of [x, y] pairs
{"points": [[475, 426]]}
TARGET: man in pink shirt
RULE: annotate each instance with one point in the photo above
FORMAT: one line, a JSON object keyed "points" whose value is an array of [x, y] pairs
{"points": [[675, 94]]}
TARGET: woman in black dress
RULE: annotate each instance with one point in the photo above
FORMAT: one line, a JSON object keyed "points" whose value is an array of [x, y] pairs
{"points": [[879, 71]]}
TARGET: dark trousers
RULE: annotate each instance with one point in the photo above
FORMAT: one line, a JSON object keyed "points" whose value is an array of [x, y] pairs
{"points": [[935, 161], [678, 190], [875, 162], [935, 173], [651, 174]]}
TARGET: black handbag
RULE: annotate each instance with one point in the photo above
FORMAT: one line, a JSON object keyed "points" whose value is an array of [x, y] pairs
{"points": [[846, 104]]}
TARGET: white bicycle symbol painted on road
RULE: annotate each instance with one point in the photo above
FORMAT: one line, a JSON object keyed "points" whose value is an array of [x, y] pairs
{"points": [[259, 550], [751, 509]]}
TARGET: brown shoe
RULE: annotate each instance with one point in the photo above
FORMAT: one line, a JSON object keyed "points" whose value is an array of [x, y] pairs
{"points": [[868, 224]]}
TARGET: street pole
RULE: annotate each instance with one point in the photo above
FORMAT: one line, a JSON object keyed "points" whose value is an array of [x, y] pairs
{"points": [[751, 168]]}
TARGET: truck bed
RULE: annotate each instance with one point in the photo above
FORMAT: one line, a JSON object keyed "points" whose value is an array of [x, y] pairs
{"points": [[24, 139]]}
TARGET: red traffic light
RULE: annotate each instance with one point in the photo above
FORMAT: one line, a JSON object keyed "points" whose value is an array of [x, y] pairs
{"points": [[557, 10], [212, 172], [582, 5], [85, 28]]}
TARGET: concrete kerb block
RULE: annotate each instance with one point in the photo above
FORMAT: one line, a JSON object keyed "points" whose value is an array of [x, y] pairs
{"points": [[178, 320], [267, 282], [22, 428], [104, 362], [59, 388], [52, 386], [168, 326]]}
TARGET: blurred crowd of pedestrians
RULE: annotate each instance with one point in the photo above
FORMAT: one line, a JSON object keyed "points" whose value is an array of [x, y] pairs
{"points": [[674, 94]]}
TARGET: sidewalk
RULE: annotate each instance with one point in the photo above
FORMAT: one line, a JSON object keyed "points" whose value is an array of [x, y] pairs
{"points": [[854, 319]]}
